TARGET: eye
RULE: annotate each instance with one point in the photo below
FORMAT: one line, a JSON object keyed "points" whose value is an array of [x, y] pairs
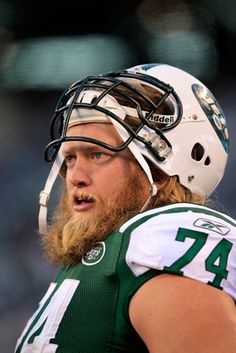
{"points": [[97, 155], [100, 156], [69, 160]]}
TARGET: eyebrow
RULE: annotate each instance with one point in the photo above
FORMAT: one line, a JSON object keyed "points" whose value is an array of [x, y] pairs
{"points": [[86, 146]]}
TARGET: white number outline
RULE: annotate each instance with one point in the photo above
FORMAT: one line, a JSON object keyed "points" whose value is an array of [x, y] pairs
{"points": [[51, 316]]}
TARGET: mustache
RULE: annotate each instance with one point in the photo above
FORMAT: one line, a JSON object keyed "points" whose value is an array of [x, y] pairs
{"points": [[76, 195]]}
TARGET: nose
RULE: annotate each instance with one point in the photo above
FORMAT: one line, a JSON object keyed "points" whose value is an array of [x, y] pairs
{"points": [[79, 175]]}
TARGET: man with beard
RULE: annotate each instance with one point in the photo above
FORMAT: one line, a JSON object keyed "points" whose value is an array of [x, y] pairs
{"points": [[146, 265]]}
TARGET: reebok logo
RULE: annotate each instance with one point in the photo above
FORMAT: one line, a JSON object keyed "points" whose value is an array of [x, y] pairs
{"points": [[213, 226]]}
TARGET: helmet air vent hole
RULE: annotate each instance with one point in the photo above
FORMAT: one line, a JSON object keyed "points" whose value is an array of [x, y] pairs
{"points": [[197, 152], [207, 161]]}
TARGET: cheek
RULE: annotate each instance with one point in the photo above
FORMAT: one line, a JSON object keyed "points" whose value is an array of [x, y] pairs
{"points": [[111, 181], [107, 182], [67, 182]]}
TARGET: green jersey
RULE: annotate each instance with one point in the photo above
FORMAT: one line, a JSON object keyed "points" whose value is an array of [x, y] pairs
{"points": [[86, 309]]}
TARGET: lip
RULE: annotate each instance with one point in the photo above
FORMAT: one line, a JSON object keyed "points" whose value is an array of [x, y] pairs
{"points": [[83, 206]]}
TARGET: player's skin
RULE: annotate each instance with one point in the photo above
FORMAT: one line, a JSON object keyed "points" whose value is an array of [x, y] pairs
{"points": [[172, 314], [184, 316], [94, 169]]}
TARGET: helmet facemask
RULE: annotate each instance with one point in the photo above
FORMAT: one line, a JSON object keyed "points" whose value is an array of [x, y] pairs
{"points": [[140, 108], [139, 111]]}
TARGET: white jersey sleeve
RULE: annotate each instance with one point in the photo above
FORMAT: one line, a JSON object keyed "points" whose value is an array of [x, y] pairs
{"points": [[185, 239]]}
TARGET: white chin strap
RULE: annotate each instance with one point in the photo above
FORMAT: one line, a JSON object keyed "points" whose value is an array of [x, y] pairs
{"points": [[44, 195], [144, 165], [135, 150]]}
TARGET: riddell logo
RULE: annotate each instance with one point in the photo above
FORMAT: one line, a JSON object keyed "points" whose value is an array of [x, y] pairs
{"points": [[163, 119]]}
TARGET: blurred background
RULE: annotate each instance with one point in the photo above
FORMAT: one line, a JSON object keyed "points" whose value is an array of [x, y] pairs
{"points": [[44, 46]]}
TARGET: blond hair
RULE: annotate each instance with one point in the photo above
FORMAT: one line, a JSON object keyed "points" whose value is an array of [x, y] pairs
{"points": [[174, 192]]}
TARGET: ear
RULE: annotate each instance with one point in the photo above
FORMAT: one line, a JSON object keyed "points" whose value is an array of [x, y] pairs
{"points": [[162, 183], [157, 186]]}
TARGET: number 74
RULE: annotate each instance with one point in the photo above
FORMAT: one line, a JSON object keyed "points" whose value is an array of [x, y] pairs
{"points": [[220, 253]]}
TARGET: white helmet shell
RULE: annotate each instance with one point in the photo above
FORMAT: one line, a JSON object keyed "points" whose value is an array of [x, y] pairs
{"points": [[200, 140]]}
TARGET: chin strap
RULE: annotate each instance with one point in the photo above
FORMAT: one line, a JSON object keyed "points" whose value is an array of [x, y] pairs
{"points": [[135, 147], [152, 193], [144, 165], [44, 195]]}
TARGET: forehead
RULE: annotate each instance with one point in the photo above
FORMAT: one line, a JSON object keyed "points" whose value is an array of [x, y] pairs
{"points": [[98, 131]]}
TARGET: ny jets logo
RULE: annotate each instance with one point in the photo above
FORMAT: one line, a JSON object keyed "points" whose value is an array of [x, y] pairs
{"points": [[213, 112], [213, 226], [94, 255]]}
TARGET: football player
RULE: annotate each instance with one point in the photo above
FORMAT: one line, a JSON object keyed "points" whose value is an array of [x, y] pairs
{"points": [[146, 264]]}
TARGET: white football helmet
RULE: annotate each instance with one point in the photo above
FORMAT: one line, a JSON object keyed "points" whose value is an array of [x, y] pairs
{"points": [[162, 114]]}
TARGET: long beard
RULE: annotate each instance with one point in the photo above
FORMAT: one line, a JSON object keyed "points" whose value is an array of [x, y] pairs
{"points": [[72, 235]]}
